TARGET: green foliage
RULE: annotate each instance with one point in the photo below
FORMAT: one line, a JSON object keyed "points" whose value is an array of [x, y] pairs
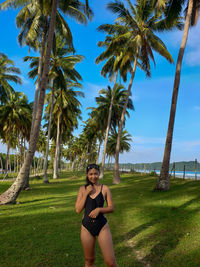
{"points": [[161, 228], [153, 173]]}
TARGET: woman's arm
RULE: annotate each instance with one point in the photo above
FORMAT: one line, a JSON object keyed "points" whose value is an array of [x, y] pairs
{"points": [[110, 205], [81, 198]]}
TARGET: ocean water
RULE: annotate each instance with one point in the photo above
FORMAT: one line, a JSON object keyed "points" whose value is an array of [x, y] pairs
{"points": [[178, 174]]}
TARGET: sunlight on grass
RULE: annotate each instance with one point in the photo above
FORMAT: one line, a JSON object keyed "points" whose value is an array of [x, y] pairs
{"points": [[159, 228]]}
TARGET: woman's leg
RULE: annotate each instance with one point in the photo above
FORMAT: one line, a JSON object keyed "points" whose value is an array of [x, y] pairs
{"points": [[106, 246], [88, 244]]}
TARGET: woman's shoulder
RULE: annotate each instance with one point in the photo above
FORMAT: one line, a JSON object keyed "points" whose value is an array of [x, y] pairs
{"points": [[105, 187], [82, 188]]}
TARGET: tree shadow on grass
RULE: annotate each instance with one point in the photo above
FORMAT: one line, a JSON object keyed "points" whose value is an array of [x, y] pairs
{"points": [[48, 239], [167, 231]]}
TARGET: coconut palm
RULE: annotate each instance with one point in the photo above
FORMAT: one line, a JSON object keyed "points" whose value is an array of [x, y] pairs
{"points": [[111, 67], [61, 64], [15, 118], [11, 194], [100, 113], [116, 97], [8, 73], [173, 8], [33, 20], [139, 23], [66, 112], [124, 143]]}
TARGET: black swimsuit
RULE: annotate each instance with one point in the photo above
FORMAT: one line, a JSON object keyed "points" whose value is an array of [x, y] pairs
{"points": [[94, 225]]}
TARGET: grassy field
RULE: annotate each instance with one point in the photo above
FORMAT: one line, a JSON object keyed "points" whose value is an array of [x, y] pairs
{"points": [[149, 228]]}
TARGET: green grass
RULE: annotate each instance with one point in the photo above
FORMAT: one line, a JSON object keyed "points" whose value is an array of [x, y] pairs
{"points": [[159, 228]]}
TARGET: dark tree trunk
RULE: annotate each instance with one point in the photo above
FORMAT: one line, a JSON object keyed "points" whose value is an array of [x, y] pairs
{"points": [[116, 178], [163, 183]]}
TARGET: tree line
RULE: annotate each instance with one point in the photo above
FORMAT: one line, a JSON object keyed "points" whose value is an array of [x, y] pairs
{"points": [[189, 166]]}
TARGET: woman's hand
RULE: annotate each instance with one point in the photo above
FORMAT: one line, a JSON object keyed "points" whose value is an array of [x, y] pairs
{"points": [[89, 189], [94, 213]]}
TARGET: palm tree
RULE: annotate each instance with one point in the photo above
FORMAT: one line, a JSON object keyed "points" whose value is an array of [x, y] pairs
{"points": [[11, 194], [15, 118], [41, 147], [175, 7], [7, 74], [139, 23], [124, 143], [33, 20], [62, 64], [111, 67], [66, 112], [110, 105]]}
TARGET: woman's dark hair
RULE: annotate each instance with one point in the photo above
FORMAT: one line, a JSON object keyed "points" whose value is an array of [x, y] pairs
{"points": [[89, 167], [92, 166]]}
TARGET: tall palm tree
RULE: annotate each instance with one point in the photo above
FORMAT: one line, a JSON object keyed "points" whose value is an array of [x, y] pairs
{"points": [[108, 112], [33, 20], [62, 64], [139, 40], [8, 73], [11, 194], [111, 67], [66, 112], [173, 8]]}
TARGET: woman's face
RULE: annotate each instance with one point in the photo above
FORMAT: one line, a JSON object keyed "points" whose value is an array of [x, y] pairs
{"points": [[93, 176]]}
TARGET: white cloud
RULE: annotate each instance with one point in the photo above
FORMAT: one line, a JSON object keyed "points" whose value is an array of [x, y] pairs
{"points": [[91, 90], [148, 149], [197, 107]]}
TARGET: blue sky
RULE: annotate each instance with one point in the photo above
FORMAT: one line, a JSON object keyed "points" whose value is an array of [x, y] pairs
{"points": [[151, 97]]}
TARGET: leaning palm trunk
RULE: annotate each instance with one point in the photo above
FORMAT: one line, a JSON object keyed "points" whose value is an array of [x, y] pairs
{"points": [[39, 75], [12, 193], [163, 180], [37, 91], [107, 130], [48, 138], [116, 178], [57, 152]]}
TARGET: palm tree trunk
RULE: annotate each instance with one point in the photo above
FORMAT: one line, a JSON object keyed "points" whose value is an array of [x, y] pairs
{"points": [[163, 183], [73, 164], [10, 164], [12, 193], [57, 152], [116, 178], [20, 149], [37, 90], [97, 159], [38, 164], [34, 164], [39, 75], [14, 169], [107, 130], [7, 156], [48, 138]]}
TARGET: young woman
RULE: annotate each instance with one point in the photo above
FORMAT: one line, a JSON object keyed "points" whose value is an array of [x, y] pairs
{"points": [[94, 224]]}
